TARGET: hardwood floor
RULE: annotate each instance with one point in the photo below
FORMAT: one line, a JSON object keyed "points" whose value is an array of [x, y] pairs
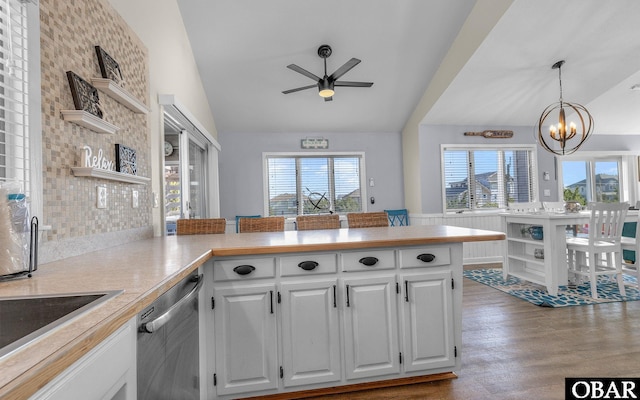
{"points": [[515, 350]]}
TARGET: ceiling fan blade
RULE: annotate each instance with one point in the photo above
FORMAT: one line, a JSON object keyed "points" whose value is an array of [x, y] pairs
{"points": [[299, 89], [303, 71], [353, 84], [328, 98], [344, 69]]}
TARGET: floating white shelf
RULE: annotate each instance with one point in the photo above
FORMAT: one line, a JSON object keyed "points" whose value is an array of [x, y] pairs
{"points": [[88, 120], [120, 95], [107, 174]]}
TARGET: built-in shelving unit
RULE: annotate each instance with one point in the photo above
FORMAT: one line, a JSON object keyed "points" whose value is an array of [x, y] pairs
{"points": [[520, 250], [110, 175], [120, 95], [89, 121]]}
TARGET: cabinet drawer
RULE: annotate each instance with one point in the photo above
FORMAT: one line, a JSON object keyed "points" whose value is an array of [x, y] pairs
{"points": [[305, 264], [358, 260], [244, 268], [431, 257]]}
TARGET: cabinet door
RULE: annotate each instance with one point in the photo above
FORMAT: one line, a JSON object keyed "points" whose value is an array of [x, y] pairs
{"points": [[427, 314], [310, 333], [371, 327], [245, 338]]}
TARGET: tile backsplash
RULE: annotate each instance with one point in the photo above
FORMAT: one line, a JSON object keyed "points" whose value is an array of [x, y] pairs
{"points": [[69, 33]]}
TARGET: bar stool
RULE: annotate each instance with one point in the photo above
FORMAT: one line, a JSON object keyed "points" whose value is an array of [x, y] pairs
{"points": [[200, 226], [309, 222], [368, 219], [631, 244], [261, 224], [601, 252]]}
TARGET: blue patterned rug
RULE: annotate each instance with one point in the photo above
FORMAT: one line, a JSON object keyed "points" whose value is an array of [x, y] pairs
{"points": [[567, 296]]}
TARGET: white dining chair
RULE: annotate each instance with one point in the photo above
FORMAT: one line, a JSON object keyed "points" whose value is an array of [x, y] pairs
{"points": [[632, 244], [601, 252]]}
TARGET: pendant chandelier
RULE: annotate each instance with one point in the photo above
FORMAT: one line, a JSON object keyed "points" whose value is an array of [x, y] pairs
{"points": [[560, 132]]}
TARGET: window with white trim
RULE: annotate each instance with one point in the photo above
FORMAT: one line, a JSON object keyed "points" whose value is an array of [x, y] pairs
{"points": [[313, 184], [14, 96], [587, 179], [491, 177]]}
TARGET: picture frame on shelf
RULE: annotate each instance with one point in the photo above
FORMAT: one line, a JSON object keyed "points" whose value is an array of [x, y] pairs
{"points": [[126, 162], [109, 68], [85, 95]]}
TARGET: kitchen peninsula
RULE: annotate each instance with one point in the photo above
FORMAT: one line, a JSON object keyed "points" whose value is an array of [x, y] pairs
{"points": [[404, 272]]}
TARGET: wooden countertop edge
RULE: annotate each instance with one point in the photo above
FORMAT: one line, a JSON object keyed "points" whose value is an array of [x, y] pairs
{"points": [[36, 377], [308, 247]]}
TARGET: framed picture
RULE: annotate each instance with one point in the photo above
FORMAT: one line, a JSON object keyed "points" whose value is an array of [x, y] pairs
{"points": [[125, 160], [85, 95], [109, 68]]}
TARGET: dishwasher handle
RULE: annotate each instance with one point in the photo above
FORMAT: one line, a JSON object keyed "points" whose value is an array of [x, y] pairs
{"points": [[154, 325]]}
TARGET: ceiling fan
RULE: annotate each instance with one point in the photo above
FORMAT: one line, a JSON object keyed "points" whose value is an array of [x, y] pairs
{"points": [[326, 84]]}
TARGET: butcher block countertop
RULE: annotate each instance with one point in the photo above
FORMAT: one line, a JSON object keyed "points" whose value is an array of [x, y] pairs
{"points": [[147, 268]]}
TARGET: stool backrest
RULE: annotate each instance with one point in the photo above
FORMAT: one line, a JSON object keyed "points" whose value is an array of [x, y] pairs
{"points": [[309, 222], [261, 224], [368, 219], [200, 226]]}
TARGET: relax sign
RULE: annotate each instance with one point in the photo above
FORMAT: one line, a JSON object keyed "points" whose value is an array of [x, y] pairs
{"points": [[99, 161]]}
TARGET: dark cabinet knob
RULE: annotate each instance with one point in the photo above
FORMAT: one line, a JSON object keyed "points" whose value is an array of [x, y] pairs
{"points": [[426, 257], [308, 265], [244, 269], [368, 261]]}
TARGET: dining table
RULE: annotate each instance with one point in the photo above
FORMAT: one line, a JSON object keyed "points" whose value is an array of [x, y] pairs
{"points": [[541, 257]]}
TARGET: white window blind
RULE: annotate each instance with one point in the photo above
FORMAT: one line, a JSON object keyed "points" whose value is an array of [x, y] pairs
{"points": [[487, 178], [14, 133], [298, 185]]}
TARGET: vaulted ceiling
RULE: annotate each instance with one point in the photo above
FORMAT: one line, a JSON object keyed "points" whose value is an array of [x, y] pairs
{"points": [[482, 63]]}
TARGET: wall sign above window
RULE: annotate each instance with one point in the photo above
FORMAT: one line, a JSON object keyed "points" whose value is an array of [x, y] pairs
{"points": [[314, 143], [491, 134]]}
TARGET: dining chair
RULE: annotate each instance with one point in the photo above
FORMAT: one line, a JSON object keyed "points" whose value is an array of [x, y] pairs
{"points": [[325, 221], [630, 251], [200, 226], [261, 224], [244, 216], [398, 217], [525, 207], [367, 219], [600, 253]]}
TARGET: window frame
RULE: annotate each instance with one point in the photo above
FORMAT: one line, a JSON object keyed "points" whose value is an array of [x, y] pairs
{"points": [[32, 184], [629, 171], [533, 166], [265, 178]]}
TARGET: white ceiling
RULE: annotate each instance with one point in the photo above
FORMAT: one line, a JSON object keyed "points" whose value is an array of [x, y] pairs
{"points": [[409, 50]]}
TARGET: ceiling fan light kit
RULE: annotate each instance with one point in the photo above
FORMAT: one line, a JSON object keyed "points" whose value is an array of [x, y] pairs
{"points": [[561, 132], [326, 85]]}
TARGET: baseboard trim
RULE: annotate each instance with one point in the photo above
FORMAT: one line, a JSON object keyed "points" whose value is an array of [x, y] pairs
{"points": [[358, 387]]}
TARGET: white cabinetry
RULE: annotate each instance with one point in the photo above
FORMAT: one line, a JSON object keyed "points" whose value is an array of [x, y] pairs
{"points": [[371, 327], [245, 338], [302, 321], [106, 372], [427, 320], [310, 332]]}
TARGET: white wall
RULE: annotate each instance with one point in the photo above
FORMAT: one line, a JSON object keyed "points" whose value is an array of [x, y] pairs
{"points": [[172, 70], [241, 171]]}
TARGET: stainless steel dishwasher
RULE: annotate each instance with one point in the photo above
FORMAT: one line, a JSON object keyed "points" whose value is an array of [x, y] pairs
{"points": [[168, 351]]}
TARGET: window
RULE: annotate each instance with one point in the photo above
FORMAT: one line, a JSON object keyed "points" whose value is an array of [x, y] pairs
{"points": [[596, 179], [14, 116], [481, 178], [304, 184]]}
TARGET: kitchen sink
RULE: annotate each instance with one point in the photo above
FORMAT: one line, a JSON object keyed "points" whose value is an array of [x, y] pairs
{"points": [[26, 318]]}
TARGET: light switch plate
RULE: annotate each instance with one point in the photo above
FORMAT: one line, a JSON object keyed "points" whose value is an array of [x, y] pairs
{"points": [[547, 192], [101, 196], [134, 199]]}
